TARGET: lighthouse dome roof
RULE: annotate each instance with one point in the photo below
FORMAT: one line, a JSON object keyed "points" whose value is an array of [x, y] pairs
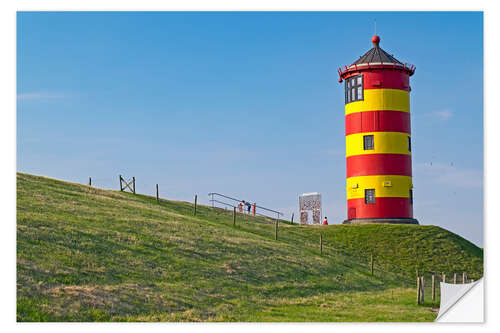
{"points": [[376, 54], [375, 58]]}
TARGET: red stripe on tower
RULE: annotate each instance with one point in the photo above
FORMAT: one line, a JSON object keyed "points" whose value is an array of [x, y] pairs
{"points": [[377, 121], [382, 208], [384, 79], [378, 164]]}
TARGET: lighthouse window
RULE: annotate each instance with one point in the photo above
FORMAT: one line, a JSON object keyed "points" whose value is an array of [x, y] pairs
{"points": [[368, 143], [370, 196], [411, 197], [354, 89], [409, 144]]}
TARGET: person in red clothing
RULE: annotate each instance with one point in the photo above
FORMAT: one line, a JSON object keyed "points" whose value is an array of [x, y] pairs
{"points": [[325, 221]]}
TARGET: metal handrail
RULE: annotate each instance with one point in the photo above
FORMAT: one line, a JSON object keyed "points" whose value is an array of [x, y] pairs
{"points": [[223, 203], [230, 205], [239, 200]]}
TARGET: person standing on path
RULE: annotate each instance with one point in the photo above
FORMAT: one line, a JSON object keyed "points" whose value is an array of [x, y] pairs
{"points": [[325, 221]]}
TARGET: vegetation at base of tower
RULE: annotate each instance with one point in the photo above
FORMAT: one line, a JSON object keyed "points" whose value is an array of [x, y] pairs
{"points": [[87, 254]]}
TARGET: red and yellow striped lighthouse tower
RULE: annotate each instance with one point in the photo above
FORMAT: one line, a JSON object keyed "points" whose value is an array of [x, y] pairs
{"points": [[378, 138]]}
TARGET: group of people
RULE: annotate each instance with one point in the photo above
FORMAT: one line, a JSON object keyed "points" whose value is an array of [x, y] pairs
{"points": [[247, 205]]}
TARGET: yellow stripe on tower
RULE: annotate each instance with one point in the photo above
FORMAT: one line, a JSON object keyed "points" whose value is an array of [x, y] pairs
{"points": [[381, 99], [385, 186], [383, 143]]}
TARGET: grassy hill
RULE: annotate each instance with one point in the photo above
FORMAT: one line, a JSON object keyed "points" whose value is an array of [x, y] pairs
{"points": [[87, 254]]}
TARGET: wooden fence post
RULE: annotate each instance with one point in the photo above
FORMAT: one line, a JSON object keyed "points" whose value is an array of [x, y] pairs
{"points": [[234, 216], [422, 285], [195, 202], [121, 188], [321, 244], [418, 289], [90, 181], [433, 287], [444, 277], [276, 231], [133, 184], [157, 194], [455, 278], [371, 263], [463, 277]]}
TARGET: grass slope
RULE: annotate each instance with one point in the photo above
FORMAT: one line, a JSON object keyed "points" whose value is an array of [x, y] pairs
{"points": [[86, 254]]}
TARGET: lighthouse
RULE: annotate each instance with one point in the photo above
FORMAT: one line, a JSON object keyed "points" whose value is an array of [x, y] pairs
{"points": [[378, 138]]}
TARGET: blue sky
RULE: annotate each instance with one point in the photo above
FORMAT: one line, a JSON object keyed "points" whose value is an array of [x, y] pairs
{"points": [[246, 104]]}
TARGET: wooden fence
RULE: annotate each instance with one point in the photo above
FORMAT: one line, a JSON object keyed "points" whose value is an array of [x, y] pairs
{"points": [[428, 285], [124, 184]]}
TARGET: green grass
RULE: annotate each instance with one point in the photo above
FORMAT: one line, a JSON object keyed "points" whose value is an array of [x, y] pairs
{"points": [[86, 254]]}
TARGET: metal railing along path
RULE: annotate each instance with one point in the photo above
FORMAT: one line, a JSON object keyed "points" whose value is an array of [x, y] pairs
{"points": [[237, 201]]}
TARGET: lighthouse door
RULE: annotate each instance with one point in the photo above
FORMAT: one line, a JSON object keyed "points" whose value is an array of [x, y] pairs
{"points": [[351, 214]]}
